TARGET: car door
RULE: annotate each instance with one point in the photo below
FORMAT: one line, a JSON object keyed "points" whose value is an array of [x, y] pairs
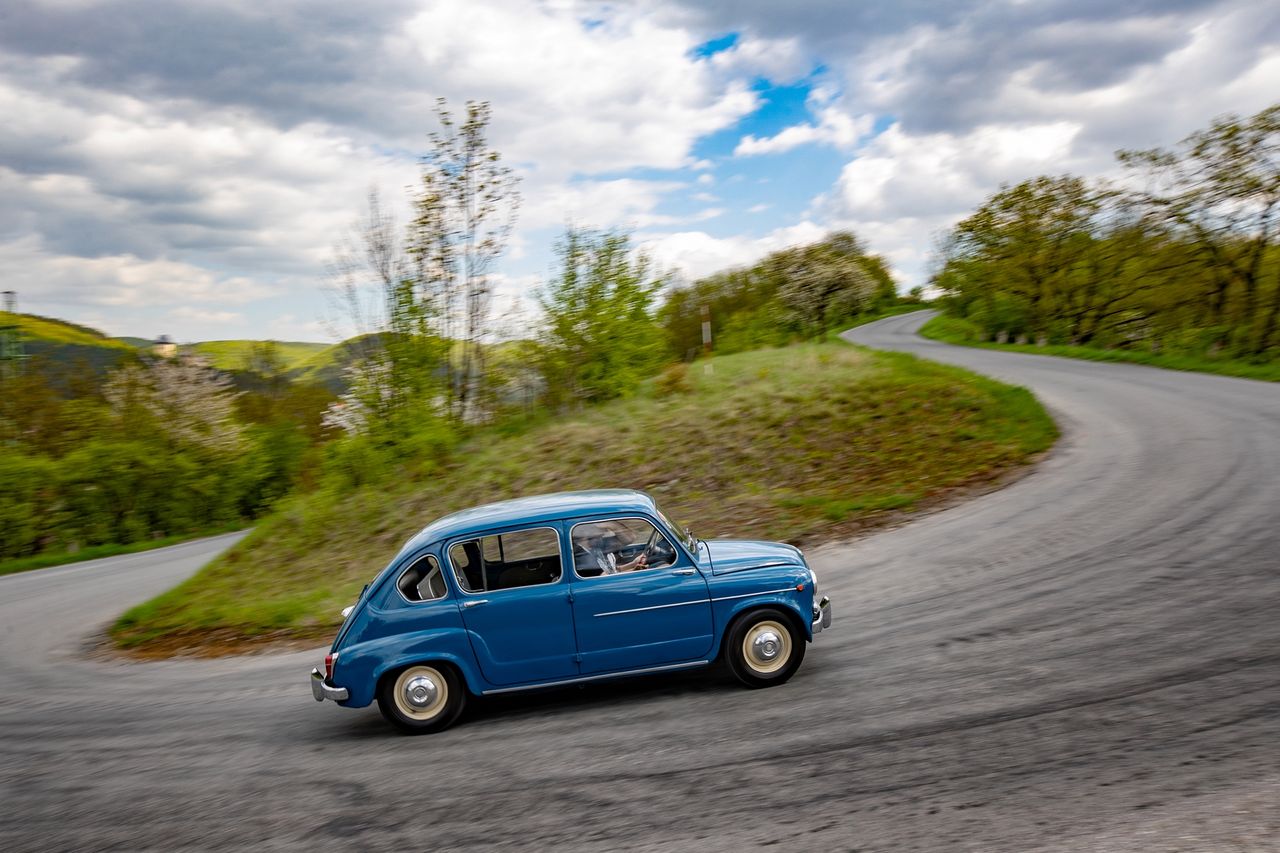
{"points": [[636, 618], [515, 604]]}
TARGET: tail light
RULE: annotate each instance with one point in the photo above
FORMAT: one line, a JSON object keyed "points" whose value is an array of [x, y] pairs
{"points": [[329, 661]]}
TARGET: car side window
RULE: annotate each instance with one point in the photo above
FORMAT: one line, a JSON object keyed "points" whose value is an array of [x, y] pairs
{"points": [[619, 545], [423, 581], [506, 561]]}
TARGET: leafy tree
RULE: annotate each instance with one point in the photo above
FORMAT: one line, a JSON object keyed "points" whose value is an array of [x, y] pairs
{"points": [[1189, 263], [601, 337], [464, 210], [182, 398], [1220, 190], [800, 291]]}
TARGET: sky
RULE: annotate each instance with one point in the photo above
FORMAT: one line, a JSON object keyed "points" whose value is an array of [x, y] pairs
{"points": [[187, 168]]}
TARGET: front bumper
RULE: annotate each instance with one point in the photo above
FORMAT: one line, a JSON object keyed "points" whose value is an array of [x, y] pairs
{"points": [[322, 690], [821, 615]]}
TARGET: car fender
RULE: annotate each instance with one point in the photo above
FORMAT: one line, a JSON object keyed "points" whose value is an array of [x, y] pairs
{"points": [[362, 665], [730, 600]]}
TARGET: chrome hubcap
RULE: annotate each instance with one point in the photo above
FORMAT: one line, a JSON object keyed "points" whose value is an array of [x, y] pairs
{"points": [[421, 692], [766, 646]]}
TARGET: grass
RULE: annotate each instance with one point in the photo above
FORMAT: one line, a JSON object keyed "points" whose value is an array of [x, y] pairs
{"points": [[954, 330], [231, 355], [97, 552], [47, 330], [806, 444]]}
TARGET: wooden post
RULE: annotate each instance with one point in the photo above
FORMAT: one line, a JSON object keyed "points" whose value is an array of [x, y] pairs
{"points": [[706, 336]]}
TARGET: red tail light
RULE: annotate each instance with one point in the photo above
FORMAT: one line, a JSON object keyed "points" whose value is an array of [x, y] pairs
{"points": [[329, 660]]}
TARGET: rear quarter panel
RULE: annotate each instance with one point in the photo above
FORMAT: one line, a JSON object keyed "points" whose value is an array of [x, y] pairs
{"points": [[391, 632]]}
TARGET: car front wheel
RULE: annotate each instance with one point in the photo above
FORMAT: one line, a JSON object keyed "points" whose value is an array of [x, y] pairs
{"points": [[422, 698], [763, 648]]}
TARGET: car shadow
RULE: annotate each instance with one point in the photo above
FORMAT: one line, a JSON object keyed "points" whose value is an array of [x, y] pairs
{"points": [[508, 706]]}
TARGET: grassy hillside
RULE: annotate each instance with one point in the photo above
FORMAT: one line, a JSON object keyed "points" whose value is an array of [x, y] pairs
{"points": [[136, 343], [954, 330], [231, 355], [46, 332], [805, 444], [56, 346]]}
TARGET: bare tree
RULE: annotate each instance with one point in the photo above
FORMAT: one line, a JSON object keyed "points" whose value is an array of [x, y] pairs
{"points": [[464, 210]]}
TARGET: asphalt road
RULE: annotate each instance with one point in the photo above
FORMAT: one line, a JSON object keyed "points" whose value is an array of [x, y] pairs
{"points": [[1086, 660]]}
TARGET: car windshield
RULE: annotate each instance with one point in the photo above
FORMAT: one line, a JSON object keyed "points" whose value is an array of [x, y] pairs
{"points": [[684, 534]]}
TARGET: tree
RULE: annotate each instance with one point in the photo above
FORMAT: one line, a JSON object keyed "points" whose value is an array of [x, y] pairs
{"points": [[600, 336], [803, 290], [826, 282], [463, 214], [181, 398], [1220, 189], [1023, 244]]}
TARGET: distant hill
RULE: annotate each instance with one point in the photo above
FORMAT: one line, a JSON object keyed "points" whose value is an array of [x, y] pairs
{"points": [[328, 365], [65, 345], [47, 331], [62, 348], [136, 343], [232, 355]]}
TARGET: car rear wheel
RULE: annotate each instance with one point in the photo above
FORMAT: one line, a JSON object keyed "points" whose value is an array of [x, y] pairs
{"points": [[764, 648], [422, 698]]}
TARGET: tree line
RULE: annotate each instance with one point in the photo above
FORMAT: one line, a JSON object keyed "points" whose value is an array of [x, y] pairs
{"points": [[1181, 257], [160, 447]]}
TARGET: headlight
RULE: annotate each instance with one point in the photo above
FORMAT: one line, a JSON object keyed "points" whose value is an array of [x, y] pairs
{"points": [[813, 579]]}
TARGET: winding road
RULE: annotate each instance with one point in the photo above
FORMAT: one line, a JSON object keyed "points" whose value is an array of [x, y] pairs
{"points": [[1088, 659]]}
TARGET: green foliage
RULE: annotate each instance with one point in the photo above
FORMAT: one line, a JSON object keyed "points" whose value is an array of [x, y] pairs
{"points": [[169, 451], [795, 293], [26, 502], [1189, 269], [601, 337]]}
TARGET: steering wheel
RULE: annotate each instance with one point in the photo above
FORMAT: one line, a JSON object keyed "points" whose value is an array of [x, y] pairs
{"points": [[647, 550]]}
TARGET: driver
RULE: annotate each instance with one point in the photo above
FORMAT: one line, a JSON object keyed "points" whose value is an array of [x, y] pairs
{"points": [[590, 551]]}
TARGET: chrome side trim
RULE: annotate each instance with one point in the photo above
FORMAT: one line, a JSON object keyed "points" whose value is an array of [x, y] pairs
{"points": [[598, 677], [773, 565], [653, 607], [749, 594]]}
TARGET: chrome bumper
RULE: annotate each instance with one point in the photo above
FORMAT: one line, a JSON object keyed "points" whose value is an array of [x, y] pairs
{"points": [[821, 615], [323, 691]]}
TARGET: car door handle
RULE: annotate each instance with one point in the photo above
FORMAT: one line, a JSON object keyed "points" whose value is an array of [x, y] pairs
{"points": [[684, 571], [475, 603]]}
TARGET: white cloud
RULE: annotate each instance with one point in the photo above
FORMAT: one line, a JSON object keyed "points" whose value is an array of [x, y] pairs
{"points": [[834, 127], [904, 175], [695, 254], [186, 313]]}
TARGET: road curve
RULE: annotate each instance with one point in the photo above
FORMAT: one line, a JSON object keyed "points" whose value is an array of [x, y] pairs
{"points": [[1086, 660]]}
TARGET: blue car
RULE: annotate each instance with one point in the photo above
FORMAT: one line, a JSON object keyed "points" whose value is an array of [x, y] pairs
{"points": [[564, 589]]}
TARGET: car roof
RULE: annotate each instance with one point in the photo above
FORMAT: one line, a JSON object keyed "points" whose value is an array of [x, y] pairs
{"points": [[532, 510]]}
